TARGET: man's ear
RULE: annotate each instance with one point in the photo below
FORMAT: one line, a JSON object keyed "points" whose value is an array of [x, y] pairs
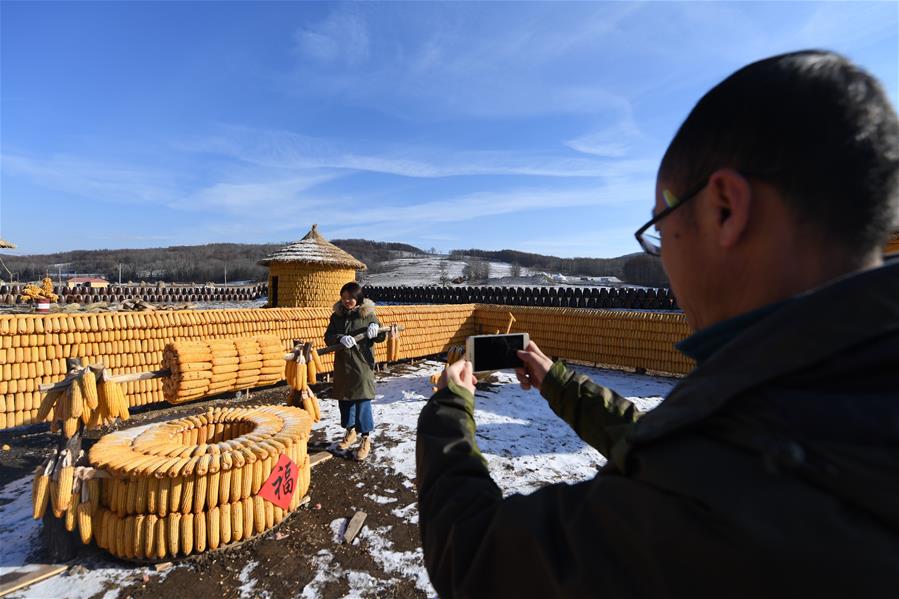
{"points": [[731, 202]]}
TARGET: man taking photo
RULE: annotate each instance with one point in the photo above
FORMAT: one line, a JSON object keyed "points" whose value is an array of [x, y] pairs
{"points": [[771, 470]]}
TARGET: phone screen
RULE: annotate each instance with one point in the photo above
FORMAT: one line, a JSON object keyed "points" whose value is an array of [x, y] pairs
{"points": [[496, 352]]}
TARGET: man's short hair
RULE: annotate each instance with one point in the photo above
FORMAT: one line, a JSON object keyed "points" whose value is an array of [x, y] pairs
{"points": [[812, 124]]}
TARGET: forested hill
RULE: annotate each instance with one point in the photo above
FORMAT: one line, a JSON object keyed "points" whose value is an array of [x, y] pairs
{"points": [[217, 262], [184, 263]]}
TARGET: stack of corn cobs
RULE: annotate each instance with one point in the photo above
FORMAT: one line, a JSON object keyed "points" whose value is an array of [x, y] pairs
{"points": [[181, 487], [83, 399], [301, 370], [203, 368]]}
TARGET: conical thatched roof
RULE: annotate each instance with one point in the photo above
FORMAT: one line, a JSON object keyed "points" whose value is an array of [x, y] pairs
{"points": [[6, 244], [313, 249]]}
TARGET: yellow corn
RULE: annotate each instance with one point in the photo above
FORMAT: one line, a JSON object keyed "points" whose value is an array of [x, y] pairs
{"points": [[88, 384], [140, 495], [258, 514], [85, 524], [138, 539], [173, 526], [187, 533], [200, 532], [131, 534], [269, 514], [200, 485], [212, 528], [150, 536], [64, 488], [187, 494], [162, 497], [237, 521], [248, 508], [76, 400], [71, 519], [225, 522], [212, 489], [176, 485], [161, 535], [40, 494]]}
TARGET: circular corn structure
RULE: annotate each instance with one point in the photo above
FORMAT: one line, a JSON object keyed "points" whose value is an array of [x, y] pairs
{"points": [[190, 485], [204, 368]]}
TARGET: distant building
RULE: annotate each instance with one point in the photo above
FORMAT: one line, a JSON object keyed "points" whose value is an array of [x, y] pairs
{"points": [[309, 272], [91, 282]]}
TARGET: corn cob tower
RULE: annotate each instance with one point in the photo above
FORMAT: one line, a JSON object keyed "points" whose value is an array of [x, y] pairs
{"points": [[309, 272]]}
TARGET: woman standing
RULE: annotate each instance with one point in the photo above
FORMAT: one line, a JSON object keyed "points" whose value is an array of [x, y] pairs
{"points": [[354, 381]]}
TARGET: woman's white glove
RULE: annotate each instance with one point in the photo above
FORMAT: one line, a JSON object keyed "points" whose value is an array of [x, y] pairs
{"points": [[373, 330], [348, 341]]}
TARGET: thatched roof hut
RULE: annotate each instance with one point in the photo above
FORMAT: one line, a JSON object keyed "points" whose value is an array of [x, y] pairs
{"points": [[309, 272]]}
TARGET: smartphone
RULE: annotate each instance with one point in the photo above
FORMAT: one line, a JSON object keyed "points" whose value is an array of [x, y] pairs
{"points": [[495, 352]]}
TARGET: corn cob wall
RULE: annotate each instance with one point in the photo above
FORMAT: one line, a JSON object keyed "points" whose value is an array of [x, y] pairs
{"points": [[608, 337], [34, 347], [192, 484], [307, 285]]}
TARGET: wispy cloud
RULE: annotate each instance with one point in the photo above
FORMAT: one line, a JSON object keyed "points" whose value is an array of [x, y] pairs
{"points": [[275, 198], [97, 180], [287, 150], [341, 38]]}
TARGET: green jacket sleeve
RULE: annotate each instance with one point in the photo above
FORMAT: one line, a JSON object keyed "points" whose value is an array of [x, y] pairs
{"points": [[597, 414], [604, 537]]}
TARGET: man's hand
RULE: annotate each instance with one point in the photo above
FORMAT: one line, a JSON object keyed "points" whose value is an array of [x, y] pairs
{"points": [[536, 365], [372, 331], [348, 341], [459, 373]]}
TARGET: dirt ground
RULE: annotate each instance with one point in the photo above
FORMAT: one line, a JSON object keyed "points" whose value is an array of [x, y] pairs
{"points": [[285, 554]]}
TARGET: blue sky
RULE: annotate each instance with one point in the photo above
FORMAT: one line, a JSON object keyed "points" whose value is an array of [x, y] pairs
{"points": [[532, 126]]}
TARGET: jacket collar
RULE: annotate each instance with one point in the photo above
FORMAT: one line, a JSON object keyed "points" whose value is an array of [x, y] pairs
{"points": [[806, 331], [366, 309]]}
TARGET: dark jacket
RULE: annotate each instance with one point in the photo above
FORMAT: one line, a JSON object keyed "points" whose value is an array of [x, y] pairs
{"points": [[353, 376], [772, 470]]}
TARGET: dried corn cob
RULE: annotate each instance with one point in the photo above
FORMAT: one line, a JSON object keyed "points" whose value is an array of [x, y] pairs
{"points": [[259, 514], [132, 534], [212, 528], [173, 528], [65, 481], [161, 536], [200, 532], [237, 521], [247, 507], [40, 490], [187, 534], [88, 384]]}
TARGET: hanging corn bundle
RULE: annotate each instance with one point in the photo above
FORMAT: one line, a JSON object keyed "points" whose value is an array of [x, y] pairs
{"points": [[298, 365], [78, 399], [393, 343]]}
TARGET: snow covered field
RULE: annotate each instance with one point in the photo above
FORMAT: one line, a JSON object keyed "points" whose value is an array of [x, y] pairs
{"points": [[525, 444]]}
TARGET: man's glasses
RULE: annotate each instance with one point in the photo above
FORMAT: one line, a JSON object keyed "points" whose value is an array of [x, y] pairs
{"points": [[652, 242]]}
